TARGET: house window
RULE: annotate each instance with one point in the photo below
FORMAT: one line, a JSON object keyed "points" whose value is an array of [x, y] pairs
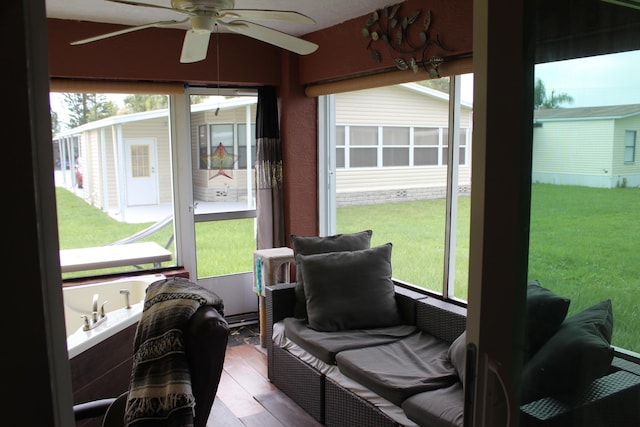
{"points": [[363, 146], [242, 145], [340, 147], [462, 149], [630, 146], [427, 145], [221, 153], [395, 146]]}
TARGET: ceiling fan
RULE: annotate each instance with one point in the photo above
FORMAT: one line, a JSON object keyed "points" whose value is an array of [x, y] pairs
{"points": [[205, 15]]}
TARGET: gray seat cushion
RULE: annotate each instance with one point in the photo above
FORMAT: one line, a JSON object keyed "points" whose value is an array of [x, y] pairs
{"points": [[325, 345], [400, 369], [442, 407]]}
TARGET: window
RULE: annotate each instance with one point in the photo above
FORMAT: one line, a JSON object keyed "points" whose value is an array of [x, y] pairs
{"points": [[583, 243], [395, 146], [363, 146], [630, 146], [396, 178], [427, 146], [113, 177]]}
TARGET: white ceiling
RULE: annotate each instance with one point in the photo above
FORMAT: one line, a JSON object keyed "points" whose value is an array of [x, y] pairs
{"points": [[325, 12]]}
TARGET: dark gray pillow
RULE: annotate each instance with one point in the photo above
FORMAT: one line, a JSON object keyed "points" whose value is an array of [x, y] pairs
{"points": [[458, 355], [574, 357], [545, 312], [349, 289], [310, 245]]}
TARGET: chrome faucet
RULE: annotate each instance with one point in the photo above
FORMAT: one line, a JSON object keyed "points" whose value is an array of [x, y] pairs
{"points": [[126, 292], [97, 317], [94, 312]]}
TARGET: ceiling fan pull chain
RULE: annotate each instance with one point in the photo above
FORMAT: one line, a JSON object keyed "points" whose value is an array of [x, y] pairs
{"points": [[218, 66]]}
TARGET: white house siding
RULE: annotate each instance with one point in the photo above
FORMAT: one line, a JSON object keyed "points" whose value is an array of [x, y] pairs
{"points": [[573, 152], [625, 174], [157, 129]]}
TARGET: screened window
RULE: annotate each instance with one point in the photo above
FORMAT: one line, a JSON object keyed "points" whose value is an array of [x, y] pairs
{"points": [[113, 183], [398, 198]]}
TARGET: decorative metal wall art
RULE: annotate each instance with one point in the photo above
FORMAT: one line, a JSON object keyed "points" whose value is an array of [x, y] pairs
{"points": [[408, 38]]}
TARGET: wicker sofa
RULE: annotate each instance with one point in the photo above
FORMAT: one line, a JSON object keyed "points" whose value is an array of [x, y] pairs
{"points": [[610, 400]]}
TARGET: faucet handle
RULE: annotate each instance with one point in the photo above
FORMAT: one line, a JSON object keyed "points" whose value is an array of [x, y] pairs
{"points": [[126, 293], [85, 323], [102, 309]]}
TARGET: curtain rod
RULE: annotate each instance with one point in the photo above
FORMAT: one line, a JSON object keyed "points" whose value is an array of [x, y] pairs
{"points": [[447, 68], [104, 86]]}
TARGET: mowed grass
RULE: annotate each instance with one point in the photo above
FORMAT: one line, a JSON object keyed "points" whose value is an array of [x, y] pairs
{"points": [[583, 244]]}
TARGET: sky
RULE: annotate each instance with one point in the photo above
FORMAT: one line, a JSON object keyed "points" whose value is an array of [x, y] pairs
{"points": [[595, 81]]}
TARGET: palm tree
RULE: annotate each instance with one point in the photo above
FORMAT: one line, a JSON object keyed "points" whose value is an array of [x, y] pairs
{"points": [[541, 100]]}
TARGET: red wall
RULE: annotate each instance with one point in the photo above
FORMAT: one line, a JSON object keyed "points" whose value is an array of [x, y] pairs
{"points": [[153, 55]]}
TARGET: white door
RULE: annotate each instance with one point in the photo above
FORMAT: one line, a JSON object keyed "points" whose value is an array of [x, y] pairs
{"points": [[142, 177]]}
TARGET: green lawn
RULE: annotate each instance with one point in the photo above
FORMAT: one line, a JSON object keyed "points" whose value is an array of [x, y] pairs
{"points": [[584, 244]]}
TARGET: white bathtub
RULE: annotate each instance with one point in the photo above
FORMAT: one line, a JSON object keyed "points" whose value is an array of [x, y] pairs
{"points": [[78, 301]]}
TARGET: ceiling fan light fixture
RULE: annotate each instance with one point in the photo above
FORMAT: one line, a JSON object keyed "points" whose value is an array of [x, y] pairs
{"points": [[211, 5], [203, 23]]}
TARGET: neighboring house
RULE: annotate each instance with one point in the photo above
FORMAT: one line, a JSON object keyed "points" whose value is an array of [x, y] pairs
{"points": [[391, 144], [589, 146], [380, 157]]}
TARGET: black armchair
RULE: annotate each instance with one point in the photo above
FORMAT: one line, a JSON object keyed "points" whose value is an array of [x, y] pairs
{"points": [[205, 339]]}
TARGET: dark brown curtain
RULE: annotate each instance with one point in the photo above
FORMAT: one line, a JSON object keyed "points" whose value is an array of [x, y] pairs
{"points": [[269, 203]]}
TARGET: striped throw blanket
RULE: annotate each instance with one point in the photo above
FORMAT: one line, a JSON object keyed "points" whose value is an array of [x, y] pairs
{"points": [[160, 390]]}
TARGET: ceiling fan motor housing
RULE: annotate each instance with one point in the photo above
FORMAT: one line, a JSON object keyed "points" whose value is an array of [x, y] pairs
{"points": [[203, 5]]}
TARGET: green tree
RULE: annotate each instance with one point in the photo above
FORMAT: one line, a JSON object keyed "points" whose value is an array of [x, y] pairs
{"points": [[138, 103], [441, 84], [55, 123], [88, 107], [553, 100]]}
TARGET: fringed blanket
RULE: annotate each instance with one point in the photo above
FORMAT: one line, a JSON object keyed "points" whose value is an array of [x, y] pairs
{"points": [[160, 389]]}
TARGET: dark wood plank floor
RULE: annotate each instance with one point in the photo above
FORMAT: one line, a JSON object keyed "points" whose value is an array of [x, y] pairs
{"points": [[244, 385]]}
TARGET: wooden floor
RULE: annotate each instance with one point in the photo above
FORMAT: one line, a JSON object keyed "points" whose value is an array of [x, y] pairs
{"points": [[246, 397]]}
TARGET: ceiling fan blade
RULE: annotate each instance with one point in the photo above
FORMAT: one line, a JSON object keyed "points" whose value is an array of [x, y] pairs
{"points": [[135, 3], [195, 46], [267, 15], [129, 30], [271, 36]]}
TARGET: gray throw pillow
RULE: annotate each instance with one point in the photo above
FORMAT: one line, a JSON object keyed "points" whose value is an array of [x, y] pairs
{"points": [[350, 289], [545, 312], [310, 245], [577, 354], [458, 354]]}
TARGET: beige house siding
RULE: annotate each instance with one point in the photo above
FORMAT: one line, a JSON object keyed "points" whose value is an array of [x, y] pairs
{"points": [[372, 107], [577, 152], [587, 152]]}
